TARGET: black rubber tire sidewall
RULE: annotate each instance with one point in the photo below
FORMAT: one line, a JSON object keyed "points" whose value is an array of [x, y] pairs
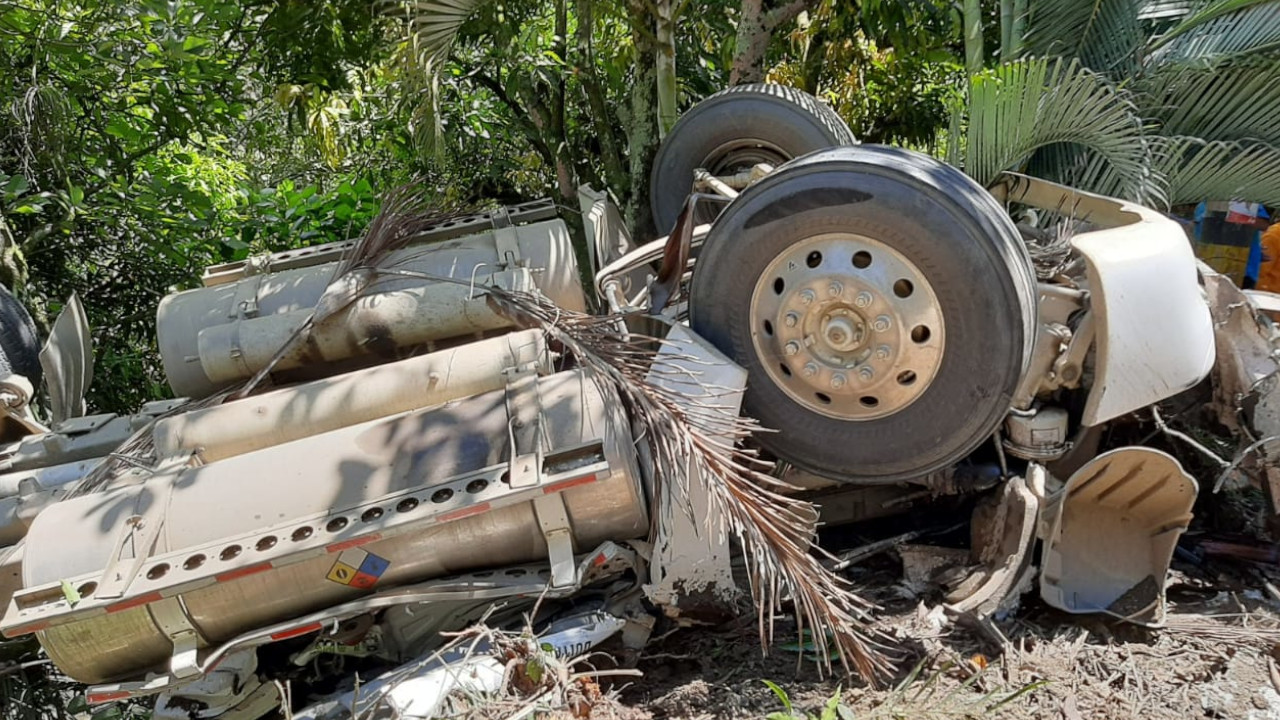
{"points": [[790, 119], [19, 345], [954, 232]]}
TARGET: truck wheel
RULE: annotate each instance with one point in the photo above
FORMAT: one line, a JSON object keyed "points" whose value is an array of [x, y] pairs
{"points": [[734, 130], [882, 303], [19, 347]]}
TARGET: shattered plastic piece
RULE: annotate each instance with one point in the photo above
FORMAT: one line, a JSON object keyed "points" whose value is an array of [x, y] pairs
{"points": [[420, 689]]}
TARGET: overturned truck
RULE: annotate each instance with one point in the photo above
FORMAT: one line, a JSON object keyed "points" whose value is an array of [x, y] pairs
{"points": [[389, 438]]}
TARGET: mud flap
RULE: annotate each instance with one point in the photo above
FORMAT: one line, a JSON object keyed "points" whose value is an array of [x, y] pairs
{"points": [[1111, 535]]}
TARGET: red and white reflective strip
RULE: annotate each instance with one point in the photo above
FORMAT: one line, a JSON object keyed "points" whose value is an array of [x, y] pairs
{"points": [[100, 696]]}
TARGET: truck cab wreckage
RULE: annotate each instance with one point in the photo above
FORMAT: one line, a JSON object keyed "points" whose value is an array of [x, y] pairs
{"points": [[390, 438]]}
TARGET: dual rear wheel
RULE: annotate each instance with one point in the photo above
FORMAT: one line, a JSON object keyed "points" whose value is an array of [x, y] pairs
{"points": [[882, 303]]}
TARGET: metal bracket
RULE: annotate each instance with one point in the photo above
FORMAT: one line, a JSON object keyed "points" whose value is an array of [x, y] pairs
{"points": [[554, 522], [134, 547], [524, 426], [245, 304], [171, 616], [505, 239]]}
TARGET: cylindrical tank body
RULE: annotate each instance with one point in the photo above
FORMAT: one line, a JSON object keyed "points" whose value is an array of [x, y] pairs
{"points": [[243, 500], [319, 406], [210, 337]]}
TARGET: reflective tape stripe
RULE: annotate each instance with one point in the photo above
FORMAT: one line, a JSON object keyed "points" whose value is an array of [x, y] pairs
{"points": [[134, 602], [354, 542], [573, 482], [242, 572], [295, 632], [465, 512]]}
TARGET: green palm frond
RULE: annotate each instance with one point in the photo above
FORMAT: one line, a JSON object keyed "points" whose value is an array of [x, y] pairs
{"points": [[1103, 34], [433, 25], [1222, 170], [1206, 12], [1018, 108], [1246, 33], [1233, 101]]}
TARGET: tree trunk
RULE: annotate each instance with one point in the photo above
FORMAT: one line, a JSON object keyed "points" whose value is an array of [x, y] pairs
{"points": [[753, 42], [665, 65], [972, 21], [755, 30], [1006, 29], [642, 130], [1019, 27], [615, 175]]}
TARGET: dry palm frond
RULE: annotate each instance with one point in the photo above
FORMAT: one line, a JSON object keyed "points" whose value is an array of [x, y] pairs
{"points": [[405, 214], [139, 450], [775, 530]]}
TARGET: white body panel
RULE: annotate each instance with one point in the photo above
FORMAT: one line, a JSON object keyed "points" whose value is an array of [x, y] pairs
{"points": [[1154, 333]]}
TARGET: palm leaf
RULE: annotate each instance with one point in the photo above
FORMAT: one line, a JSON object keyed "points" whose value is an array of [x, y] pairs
{"points": [[1206, 12], [775, 530], [433, 25], [1017, 108], [1232, 101], [1221, 170], [1249, 32], [1103, 34]]}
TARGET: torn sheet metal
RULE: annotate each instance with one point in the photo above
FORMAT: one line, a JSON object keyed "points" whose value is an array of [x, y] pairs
{"points": [[691, 575]]}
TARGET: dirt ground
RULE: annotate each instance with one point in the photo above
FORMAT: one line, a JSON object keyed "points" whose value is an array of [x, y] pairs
{"points": [[1213, 660]]}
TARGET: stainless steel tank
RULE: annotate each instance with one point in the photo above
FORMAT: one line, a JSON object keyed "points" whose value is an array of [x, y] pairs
{"points": [[212, 336], [253, 539]]}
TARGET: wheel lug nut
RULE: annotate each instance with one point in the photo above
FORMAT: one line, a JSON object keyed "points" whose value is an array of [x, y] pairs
{"points": [[837, 381], [791, 319], [883, 352], [792, 348], [882, 323], [863, 299], [808, 296], [810, 370], [835, 288], [866, 373]]}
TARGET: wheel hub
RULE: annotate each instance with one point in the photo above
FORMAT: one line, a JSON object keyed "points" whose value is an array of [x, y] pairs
{"points": [[847, 326]]}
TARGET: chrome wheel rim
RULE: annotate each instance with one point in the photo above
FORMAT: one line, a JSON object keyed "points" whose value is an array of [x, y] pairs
{"points": [[847, 326]]}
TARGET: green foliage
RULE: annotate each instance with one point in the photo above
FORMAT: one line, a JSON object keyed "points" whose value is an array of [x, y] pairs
{"points": [[1190, 113]]}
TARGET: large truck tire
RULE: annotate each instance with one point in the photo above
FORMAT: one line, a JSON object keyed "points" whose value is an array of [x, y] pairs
{"points": [[882, 303], [19, 345], [733, 130]]}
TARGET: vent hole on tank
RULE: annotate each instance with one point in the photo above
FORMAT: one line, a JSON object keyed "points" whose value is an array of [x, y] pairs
{"points": [[336, 524], [266, 543], [371, 514], [193, 562], [230, 552], [406, 505], [301, 534], [477, 486], [441, 495]]}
